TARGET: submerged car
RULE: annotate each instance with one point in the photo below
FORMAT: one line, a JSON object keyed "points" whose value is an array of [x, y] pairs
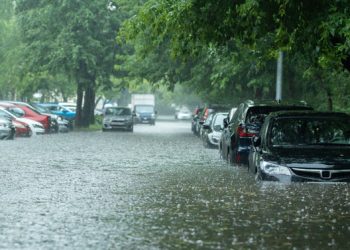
{"points": [[7, 130], [145, 114], [58, 124], [302, 146], [118, 118], [245, 123], [212, 131], [22, 128], [25, 111], [183, 114], [17, 114], [64, 112]]}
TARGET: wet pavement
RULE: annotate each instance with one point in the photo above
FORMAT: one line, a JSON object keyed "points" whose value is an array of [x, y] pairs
{"points": [[156, 188]]}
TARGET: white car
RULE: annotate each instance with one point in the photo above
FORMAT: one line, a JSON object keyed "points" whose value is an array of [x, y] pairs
{"points": [[36, 127], [183, 114]]}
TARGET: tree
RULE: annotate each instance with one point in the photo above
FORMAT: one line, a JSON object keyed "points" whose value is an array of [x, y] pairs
{"points": [[258, 30], [73, 38]]}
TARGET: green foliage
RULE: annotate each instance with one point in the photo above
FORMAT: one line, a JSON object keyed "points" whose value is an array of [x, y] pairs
{"points": [[226, 49]]}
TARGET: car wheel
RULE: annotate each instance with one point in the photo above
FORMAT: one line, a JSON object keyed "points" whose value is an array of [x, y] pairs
{"points": [[131, 129]]}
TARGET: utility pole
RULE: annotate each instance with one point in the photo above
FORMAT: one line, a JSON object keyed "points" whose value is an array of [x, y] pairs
{"points": [[279, 76]]}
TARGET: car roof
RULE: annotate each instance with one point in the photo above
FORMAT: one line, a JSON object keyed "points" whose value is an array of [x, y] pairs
{"points": [[7, 104], [273, 103], [309, 113], [119, 107]]}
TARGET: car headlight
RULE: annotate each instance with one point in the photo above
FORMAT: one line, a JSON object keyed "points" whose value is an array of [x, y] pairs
{"points": [[107, 120], [19, 125], [153, 115], [274, 169]]}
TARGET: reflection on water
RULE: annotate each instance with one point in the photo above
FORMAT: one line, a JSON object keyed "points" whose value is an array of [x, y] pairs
{"points": [[157, 188]]}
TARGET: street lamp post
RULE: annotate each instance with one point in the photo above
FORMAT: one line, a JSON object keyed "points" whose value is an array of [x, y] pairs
{"points": [[279, 76]]}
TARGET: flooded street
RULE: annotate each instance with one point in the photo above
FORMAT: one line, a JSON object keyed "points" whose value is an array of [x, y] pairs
{"points": [[156, 188]]}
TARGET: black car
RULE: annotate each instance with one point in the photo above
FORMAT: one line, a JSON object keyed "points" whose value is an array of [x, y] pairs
{"points": [[245, 123], [302, 146]]}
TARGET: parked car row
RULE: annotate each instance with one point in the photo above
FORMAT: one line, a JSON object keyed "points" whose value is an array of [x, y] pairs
{"points": [[280, 141], [20, 119]]}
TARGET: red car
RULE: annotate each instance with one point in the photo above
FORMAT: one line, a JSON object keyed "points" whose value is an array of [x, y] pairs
{"points": [[22, 128], [26, 112]]}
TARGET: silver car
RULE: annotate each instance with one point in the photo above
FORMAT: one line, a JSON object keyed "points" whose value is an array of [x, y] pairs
{"points": [[7, 130], [118, 118]]}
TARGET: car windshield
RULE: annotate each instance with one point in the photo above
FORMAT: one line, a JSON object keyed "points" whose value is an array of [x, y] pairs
{"points": [[310, 131], [146, 109], [118, 111], [16, 112], [219, 120], [41, 109]]}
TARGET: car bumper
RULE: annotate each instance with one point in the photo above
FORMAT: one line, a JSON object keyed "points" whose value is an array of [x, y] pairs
{"points": [[145, 120], [298, 175], [118, 125]]}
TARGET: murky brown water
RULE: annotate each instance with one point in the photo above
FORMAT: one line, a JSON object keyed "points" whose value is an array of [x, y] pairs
{"points": [[157, 188]]}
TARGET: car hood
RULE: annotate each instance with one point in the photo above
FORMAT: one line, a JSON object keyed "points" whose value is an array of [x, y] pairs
{"points": [[29, 121], [116, 117], [320, 158]]}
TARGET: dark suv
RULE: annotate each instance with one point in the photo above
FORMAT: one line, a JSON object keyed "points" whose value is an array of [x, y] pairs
{"points": [[245, 123]]}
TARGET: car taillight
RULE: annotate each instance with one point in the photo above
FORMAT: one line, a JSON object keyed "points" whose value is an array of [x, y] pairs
{"points": [[241, 131]]}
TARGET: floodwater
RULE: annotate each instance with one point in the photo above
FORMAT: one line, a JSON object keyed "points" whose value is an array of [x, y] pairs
{"points": [[156, 188]]}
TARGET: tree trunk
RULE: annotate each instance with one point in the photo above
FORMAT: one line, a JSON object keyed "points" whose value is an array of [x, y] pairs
{"points": [[330, 100], [89, 103], [80, 92], [258, 93]]}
